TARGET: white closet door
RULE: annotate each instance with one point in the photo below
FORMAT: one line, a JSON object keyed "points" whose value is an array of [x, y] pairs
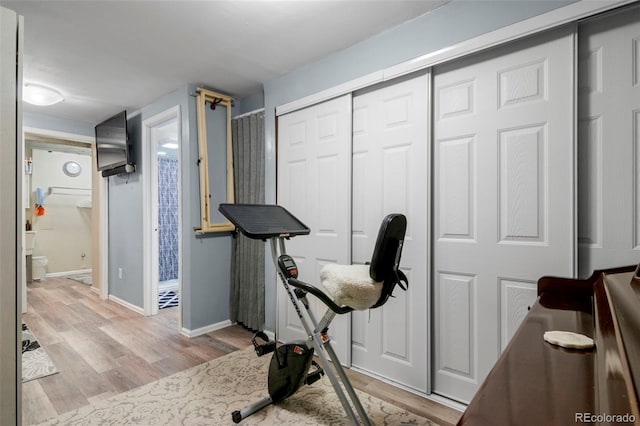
{"points": [[390, 175], [503, 198], [314, 184], [609, 142]]}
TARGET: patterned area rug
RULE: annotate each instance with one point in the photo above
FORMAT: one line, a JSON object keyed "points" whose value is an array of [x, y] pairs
{"points": [[167, 299], [35, 361], [208, 393]]}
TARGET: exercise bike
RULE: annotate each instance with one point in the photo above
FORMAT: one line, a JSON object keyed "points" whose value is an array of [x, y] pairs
{"points": [[349, 287]]}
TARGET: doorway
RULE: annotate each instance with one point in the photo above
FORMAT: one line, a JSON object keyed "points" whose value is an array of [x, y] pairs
{"points": [[89, 204], [162, 254], [58, 208]]}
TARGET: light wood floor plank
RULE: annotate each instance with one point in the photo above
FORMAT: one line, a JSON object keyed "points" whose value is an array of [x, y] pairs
{"points": [[62, 392], [74, 367], [36, 403], [93, 353]]}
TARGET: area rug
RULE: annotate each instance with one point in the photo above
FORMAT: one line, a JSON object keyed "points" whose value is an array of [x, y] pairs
{"points": [[84, 278], [208, 393], [167, 299], [35, 360]]}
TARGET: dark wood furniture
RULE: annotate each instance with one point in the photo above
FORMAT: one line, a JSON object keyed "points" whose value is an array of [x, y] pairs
{"points": [[537, 383]]}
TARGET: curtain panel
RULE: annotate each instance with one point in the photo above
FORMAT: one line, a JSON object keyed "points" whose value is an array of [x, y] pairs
{"points": [[247, 261]]}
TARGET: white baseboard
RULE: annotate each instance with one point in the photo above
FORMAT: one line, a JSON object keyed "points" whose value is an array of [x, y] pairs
{"points": [[270, 334], [458, 406], [204, 330], [130, 306], [66, 273]]}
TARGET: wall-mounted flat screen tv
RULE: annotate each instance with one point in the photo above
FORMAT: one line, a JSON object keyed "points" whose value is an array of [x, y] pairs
{"points": [[113, 150]]}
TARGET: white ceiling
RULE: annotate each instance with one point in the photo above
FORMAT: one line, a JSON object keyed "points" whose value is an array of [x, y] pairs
{"points": [[105, 56]]}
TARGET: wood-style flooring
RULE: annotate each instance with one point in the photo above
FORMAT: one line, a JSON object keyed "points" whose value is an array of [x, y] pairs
{"points": [[102, 348]]}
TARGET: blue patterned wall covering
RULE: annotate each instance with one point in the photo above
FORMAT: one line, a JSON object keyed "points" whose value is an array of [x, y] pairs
{"points": [[168, 218]]}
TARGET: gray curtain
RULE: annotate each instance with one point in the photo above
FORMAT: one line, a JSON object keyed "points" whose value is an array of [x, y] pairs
{"points": [[247, 260]]}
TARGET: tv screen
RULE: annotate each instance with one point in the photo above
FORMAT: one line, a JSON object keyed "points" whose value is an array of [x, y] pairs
{"points": [[111, 142]]}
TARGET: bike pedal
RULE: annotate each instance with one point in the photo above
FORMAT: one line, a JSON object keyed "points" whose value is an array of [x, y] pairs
{"points": [[314, 376], [263, 348]]}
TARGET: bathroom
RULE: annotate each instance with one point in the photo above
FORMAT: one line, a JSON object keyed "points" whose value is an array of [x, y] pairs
{"points": [[168, 202], [167, 227], [58, 179]]}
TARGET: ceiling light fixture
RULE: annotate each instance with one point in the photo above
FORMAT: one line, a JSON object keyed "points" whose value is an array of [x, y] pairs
{"points": [[40, 95], [170, 145]]}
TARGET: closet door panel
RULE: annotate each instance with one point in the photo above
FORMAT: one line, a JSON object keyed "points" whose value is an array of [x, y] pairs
{"points": [[390, 175], [609, 141], [503, 198], [314, 183]]}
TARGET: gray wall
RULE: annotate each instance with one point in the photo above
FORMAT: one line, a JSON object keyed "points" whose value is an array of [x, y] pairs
{"points": [[248, 104], [125, 223], [41, 121], [450, 24], [206, 259]]}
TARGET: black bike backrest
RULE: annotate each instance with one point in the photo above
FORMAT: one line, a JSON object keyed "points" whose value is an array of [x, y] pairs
{"points": [[385, 262]]}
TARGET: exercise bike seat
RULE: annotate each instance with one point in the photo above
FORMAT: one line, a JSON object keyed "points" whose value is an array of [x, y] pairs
{"points": [[361, 287], [350, 285]]}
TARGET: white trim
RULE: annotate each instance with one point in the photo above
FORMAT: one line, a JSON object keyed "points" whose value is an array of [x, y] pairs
{"points": [[536, 24], [104, 238], [557, 17], [429, 219], [432, 396], [103, 193], [574, 119], [67, 273], [206, 329], [246, 114], [149, 208], [60, 135], [147, 234], [446, 402], [130, 306], [334, 92], [270, 334]]}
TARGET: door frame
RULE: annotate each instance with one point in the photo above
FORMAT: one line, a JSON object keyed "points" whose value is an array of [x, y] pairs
{"points": [[150, 247], [101, 191], [12, 215]]}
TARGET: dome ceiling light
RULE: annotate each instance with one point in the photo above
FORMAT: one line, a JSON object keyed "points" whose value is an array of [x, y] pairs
{"points": [[40, 95]]}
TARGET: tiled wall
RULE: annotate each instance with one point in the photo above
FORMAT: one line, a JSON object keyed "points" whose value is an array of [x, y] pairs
{"points": [[168, 218]]}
